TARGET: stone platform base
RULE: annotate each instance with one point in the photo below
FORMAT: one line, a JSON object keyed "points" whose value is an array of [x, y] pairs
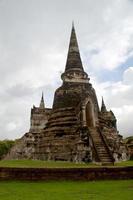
{"points": [[74, 174]]}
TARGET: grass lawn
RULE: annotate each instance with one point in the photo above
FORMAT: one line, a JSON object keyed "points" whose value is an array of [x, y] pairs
{"points": [[53, 164], [125, 163], [41, 164], [99, 190]]}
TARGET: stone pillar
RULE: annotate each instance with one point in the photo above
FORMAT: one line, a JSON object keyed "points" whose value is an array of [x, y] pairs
{"points": [[83, 115]]}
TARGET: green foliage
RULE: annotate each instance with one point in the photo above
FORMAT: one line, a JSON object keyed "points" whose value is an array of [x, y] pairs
{"points": [[5, 146], [66, 190]]}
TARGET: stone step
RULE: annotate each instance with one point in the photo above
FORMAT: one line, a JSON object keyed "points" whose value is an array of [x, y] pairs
{"points": [[63, 109], [104, 156], [103, 152], [100, 147], [64, 128], [105, 160], [66, 118], [61, 115], [63, 123], [62, 120]]}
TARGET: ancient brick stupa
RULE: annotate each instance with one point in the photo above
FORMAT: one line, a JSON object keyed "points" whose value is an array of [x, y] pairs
{"points": [[75, 129]]}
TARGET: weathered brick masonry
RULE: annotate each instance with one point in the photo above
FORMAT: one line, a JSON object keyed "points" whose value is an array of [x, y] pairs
{"points": [[74, 174]]}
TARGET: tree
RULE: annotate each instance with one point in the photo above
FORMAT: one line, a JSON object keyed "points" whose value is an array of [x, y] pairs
{"points": [[5, 146]]}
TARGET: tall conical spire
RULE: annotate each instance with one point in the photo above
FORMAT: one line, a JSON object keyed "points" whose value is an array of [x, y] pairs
{"points": [[103, 107], [73, 58], [42, 105]]}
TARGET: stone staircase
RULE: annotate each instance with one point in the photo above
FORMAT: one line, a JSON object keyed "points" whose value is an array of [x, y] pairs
{"points": [[102, 150]]}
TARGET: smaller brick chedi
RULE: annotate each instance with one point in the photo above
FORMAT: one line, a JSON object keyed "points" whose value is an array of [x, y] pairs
{"points": [[75, 129]]}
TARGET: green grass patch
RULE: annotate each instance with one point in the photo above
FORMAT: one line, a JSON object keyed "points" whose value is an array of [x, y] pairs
{"points": [[42, 164], [125, 163], [54, 164], [95, 190]]}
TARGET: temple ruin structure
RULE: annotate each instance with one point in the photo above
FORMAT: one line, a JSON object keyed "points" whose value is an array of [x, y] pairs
{"points": [[75, 129]]}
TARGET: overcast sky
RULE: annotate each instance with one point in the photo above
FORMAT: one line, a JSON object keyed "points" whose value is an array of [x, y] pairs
{"points": [[34, 38]]}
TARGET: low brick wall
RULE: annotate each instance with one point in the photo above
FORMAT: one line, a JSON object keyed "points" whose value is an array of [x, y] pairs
{"points": [[75, 174]]}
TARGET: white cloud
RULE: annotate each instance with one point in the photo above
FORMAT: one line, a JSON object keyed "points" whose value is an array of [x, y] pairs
{"points": [[119, 98], [128, 76], [112, 41], [11, 126], [33, 47]]}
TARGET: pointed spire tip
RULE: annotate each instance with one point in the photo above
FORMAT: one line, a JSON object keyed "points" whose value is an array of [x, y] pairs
{"points": [[72, 23], [103, 107], [42, 94], [42, 105], [73, 57]]}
